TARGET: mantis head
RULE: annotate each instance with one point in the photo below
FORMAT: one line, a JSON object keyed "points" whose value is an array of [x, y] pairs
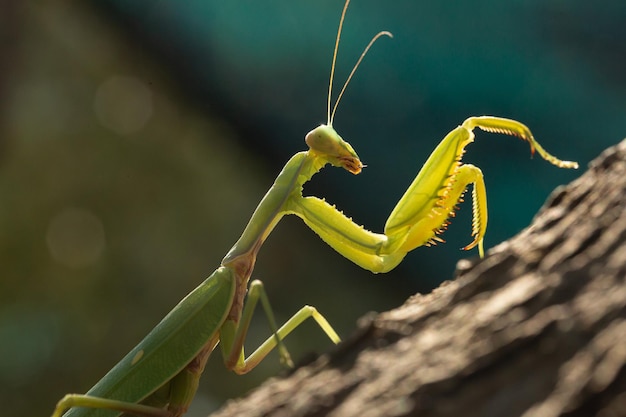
{"points": [[325, 142]]}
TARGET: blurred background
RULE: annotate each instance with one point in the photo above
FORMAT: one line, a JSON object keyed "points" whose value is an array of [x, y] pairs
{"points": [[136, 139]]}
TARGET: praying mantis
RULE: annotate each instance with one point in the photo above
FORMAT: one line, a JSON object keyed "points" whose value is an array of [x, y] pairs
{"points": [[160, 376]]}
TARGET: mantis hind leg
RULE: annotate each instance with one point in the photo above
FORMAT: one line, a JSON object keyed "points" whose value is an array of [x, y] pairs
{"points": [[160, 403], [81, 400], [232, 335]]}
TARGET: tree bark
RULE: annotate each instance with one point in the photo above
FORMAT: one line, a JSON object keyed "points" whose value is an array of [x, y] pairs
{"points": [[536, 328]]}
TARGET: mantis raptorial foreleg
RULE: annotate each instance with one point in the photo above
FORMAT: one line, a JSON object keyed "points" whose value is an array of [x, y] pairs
{"points": [[163, 370], [424, 210]]}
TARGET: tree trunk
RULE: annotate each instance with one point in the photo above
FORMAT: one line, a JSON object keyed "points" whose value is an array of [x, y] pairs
{"points": [[536, 328]]}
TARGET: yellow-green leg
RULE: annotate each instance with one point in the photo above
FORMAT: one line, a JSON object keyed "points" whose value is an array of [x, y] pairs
{"points": [[425, 209], [232, 336], [81, 400]]}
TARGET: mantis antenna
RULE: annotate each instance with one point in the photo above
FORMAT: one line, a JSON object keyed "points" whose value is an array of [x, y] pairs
{"points": [[331, 115]]}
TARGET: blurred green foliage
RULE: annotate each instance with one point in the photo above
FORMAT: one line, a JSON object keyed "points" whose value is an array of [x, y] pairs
{"points": [[136, 141]]}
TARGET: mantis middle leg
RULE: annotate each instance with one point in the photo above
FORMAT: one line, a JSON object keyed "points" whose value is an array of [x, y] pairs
{"points": [[232, 335]]}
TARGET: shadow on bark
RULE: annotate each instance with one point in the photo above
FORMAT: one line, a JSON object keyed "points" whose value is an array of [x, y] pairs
{"points": [[537, 328]]}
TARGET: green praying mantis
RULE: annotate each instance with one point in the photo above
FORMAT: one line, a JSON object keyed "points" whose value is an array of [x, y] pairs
{"points": [[160, 376]]}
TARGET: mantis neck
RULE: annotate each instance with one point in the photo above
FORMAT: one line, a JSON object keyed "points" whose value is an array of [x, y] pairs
{"points": [[297, 171]]}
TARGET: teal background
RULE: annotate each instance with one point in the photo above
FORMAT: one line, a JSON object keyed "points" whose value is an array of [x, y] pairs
{"points": [[136, 138], [265, 65]]}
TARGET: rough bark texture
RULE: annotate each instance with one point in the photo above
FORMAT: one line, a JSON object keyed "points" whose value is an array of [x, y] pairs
{"points": [[537, 328]]}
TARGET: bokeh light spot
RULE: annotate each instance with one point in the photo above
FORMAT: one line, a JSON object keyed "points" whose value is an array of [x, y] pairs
{"points": [[123, 104], [75, 238]]}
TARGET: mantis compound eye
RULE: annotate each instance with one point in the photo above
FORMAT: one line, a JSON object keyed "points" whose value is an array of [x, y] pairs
{"points": [[325, 142]]}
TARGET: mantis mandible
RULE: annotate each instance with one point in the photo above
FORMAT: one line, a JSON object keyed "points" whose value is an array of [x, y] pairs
{"points": [[160, 376]]}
